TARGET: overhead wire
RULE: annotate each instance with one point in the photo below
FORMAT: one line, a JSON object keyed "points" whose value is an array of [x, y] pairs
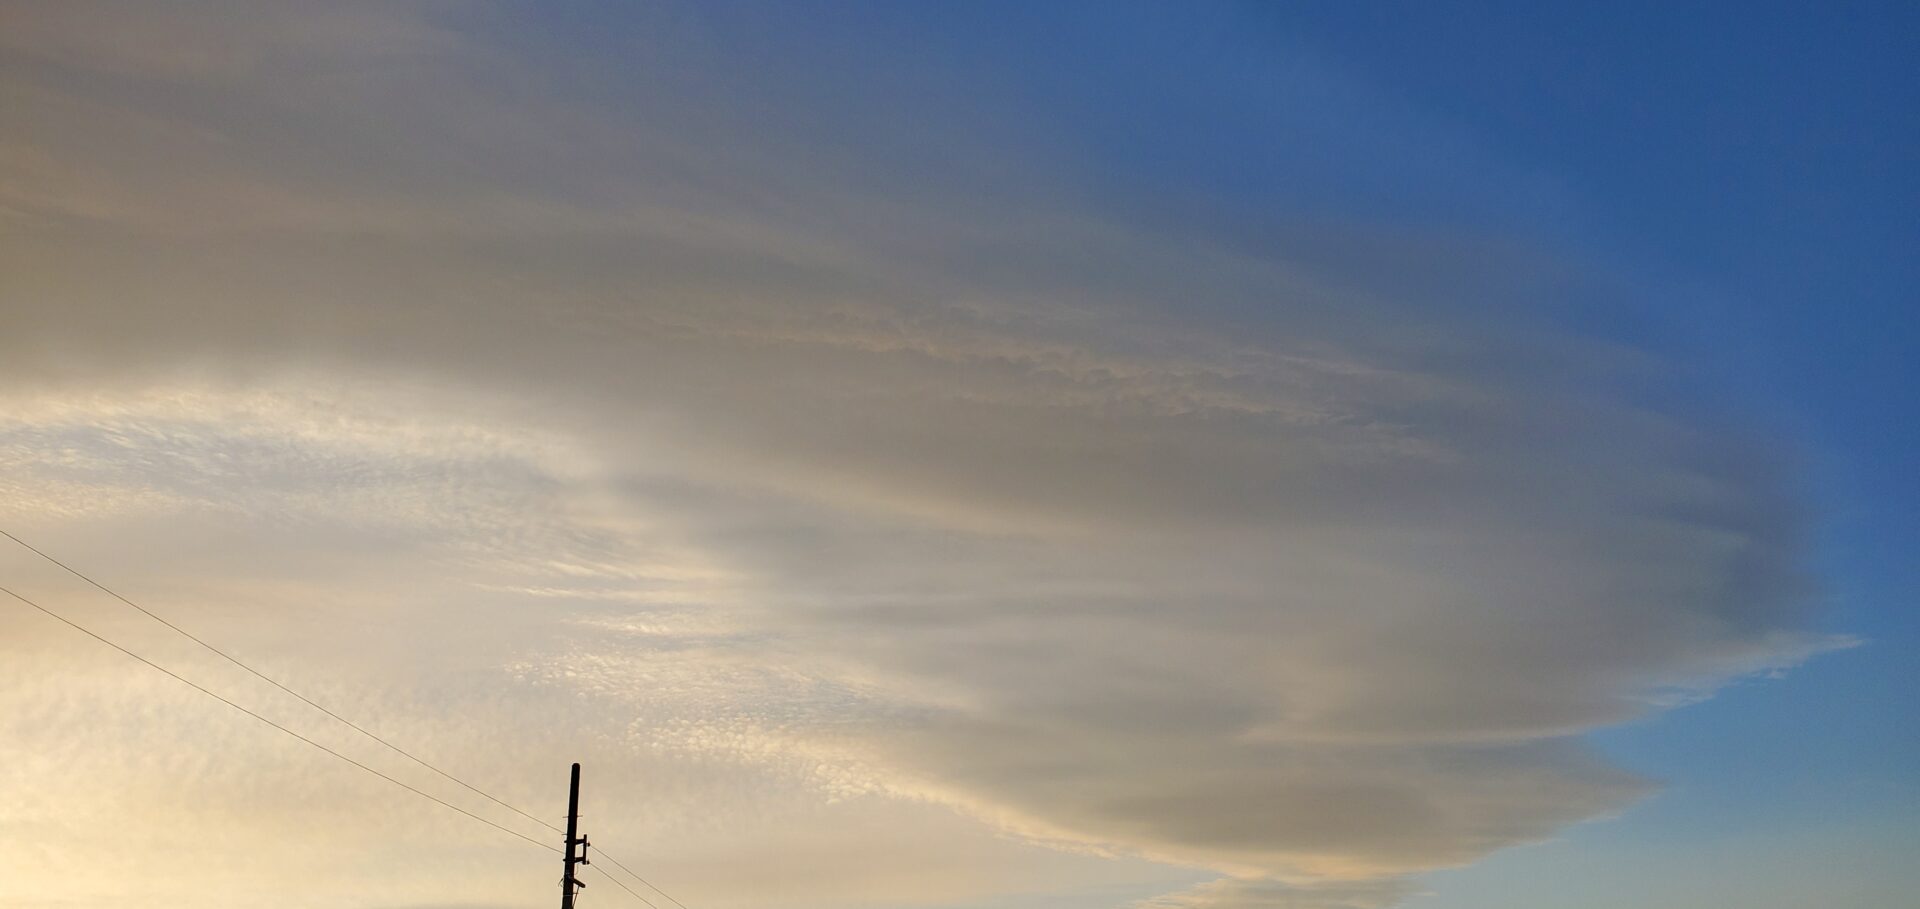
{"points": [[637, 877], [271, 681], [622, 885], [323, 709], [235, 705]]}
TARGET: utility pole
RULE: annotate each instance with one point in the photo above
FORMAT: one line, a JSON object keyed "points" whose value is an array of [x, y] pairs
{"points": [[568, 883]]}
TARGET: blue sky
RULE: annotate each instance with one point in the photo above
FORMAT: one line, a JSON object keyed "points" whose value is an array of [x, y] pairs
{"points": [[1174, 456], [1752, 168]]}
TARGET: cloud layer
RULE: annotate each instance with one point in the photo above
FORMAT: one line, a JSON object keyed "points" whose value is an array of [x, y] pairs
{"points": [[999, 528]]}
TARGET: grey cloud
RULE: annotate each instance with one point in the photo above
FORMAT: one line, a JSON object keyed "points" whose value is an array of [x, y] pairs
{"points": [[1104, 533], [1258, 894]]}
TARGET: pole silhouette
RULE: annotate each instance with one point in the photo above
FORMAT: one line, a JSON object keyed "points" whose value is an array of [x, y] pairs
{"points": [[569, 884]]}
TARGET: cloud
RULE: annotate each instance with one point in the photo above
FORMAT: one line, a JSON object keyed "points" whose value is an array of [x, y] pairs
{"points": [[1233, 893], [1034, 545], [220, 42]]}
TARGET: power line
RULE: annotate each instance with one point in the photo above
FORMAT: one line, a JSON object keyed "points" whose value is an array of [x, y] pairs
{"points": [[197, 687], [630, 871], [263, 677], [317, 706], [618, 883]]}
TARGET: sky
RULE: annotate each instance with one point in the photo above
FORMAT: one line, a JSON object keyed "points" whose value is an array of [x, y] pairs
{"points": [[964, 456]]}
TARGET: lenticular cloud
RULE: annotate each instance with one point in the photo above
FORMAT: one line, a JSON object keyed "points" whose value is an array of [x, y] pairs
{"points": [[1073, 529]]}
